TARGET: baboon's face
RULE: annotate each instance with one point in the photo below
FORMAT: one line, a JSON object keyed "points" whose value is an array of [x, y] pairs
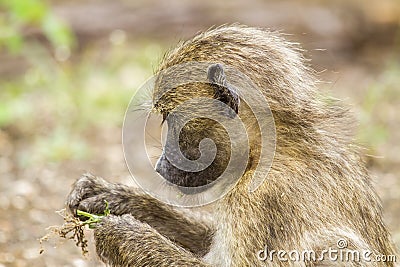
{"points": [[171, 166], [181, 162]]}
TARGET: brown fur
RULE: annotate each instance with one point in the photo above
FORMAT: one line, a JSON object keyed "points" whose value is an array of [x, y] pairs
{"points": [[316, 192]]}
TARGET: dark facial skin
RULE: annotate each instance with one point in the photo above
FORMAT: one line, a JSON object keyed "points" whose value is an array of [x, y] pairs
{"points": [[189, 142]]}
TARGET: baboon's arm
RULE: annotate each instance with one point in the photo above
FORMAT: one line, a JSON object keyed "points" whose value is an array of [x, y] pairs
{"points": [[125, 241], [89, 194]]}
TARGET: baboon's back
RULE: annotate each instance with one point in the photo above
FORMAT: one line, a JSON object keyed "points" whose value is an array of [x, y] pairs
{"points": [[318, 189]]}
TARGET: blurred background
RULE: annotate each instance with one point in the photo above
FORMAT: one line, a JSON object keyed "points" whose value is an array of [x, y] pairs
{"points": [[69, 68]]}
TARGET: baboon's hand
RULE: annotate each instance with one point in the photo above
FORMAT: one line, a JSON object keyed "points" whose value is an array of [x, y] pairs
{"points": [[88, 194]]}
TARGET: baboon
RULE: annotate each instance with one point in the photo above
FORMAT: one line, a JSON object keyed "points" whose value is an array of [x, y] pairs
{"points": [[317, 191]]}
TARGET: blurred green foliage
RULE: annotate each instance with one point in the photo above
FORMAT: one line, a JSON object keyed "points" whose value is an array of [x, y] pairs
{"points": [[19, 15], [57, 104], [65, 103], [376, 107]]}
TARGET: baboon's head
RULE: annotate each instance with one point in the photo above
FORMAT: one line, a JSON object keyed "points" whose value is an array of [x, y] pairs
{"points": [[189, 159]]}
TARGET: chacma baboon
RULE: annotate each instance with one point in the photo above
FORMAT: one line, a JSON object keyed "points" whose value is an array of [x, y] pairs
{"points": [[316, 193]]}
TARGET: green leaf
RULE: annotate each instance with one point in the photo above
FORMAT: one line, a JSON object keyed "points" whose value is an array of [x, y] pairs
{"points": [[26, 11], [57, 31], [11, 40]]}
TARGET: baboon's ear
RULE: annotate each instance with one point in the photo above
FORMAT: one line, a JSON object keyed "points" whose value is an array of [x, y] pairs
{"points": [[223, 91]]}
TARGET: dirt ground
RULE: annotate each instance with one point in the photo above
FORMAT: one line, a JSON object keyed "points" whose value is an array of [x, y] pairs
{"points": [[354, 47]]}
